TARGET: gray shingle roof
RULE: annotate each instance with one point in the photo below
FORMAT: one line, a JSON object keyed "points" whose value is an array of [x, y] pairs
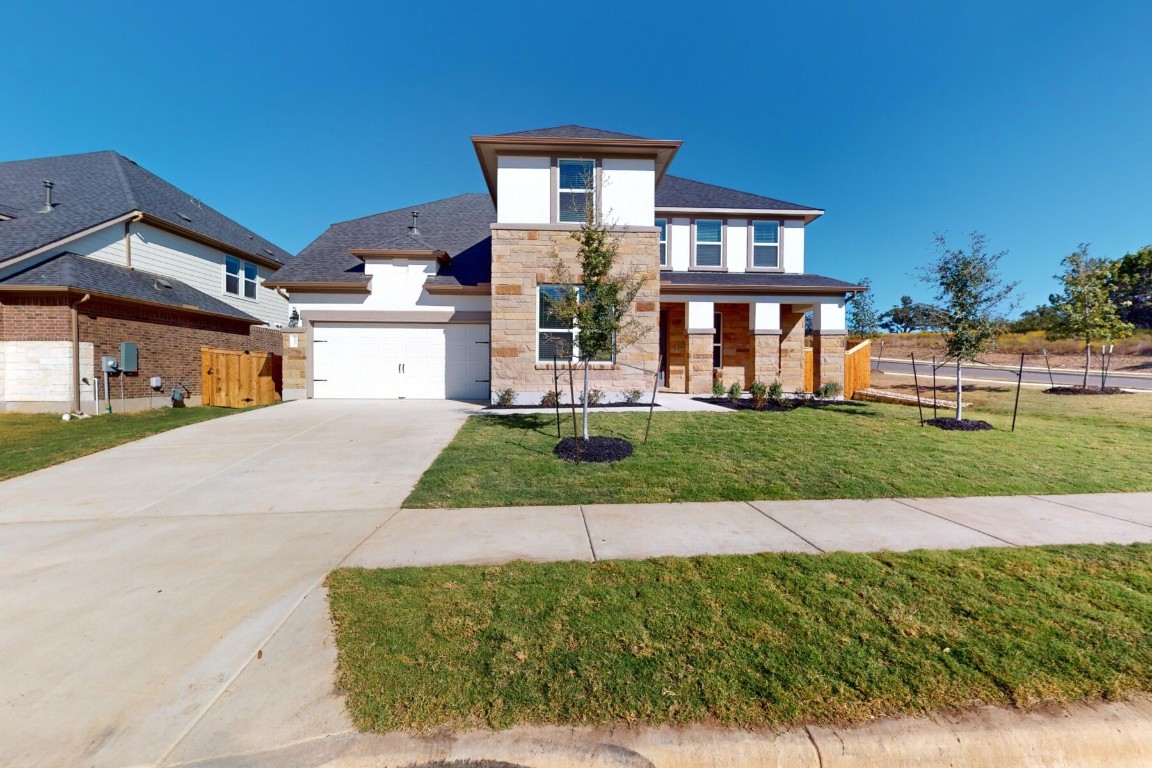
{"points": [[758, 280], [569, 132], [458, 225], [677, 192], [96, 187], [73, 271]]}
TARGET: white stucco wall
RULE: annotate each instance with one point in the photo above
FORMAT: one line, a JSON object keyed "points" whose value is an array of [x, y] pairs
{"points": [[736, 245], [700, 314], [397, 286], [679, 239], [792, 246], [829, 316], [736, 234], [628, 196], [523, 189]]}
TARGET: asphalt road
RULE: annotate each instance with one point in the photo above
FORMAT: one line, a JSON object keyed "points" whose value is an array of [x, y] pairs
{"points": [[946, 374]]}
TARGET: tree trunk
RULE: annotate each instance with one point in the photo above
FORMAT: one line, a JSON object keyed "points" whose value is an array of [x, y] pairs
{"points": [[959, 394], [1087, 360], [585, 399]]}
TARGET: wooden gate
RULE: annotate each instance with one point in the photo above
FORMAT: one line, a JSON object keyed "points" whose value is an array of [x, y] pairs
{"points": [[235, 379], [809, 370], [857, 368]]}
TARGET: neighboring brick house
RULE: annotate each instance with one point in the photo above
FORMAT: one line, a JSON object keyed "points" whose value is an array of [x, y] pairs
{"points": [[96, 251], [447, 298]]}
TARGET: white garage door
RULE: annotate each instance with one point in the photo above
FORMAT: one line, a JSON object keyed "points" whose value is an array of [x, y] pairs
{"points": [[378, 360]]}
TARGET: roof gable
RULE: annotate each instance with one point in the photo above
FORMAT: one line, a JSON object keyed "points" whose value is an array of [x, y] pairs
{"points": [[569, 132]]}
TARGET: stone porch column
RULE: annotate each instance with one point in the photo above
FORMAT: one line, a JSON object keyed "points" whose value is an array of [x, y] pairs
{"points": [[829, 339], [791, 348], [764, 319], [700, 335]]}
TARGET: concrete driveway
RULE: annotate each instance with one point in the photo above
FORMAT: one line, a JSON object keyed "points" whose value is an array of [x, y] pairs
{"points": [[161, 602]]}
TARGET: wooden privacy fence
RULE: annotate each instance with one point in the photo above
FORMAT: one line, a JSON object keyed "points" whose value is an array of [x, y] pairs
{"points": [[857, 368], [235, 379], [809, 370]]}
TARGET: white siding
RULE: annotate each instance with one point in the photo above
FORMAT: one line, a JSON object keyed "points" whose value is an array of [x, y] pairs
{"points": [[629, 191], [524, 189]]}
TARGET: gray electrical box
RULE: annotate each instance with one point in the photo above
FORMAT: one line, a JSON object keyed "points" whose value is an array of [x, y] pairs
{"points": [[128, 357], [108, 364]]}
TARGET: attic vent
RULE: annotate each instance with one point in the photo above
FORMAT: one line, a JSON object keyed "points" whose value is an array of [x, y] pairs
{"points": [[412, 228], [181, 215], [160, 283], [48, 204]]}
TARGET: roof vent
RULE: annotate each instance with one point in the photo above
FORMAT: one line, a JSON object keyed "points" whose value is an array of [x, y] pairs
{"points": [[412, 228], [181, 215], [160, 283], [48, 204]]}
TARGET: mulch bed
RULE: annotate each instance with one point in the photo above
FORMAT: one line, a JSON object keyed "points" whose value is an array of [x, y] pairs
{"points": [[745, 404], [1084, 391], [568, 407], [959, 425], [596, 449]]}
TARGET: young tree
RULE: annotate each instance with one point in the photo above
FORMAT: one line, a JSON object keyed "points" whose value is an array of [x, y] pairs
{"points": [[863, 322], [1085, 310], [597, 302], [1131, 287], [971, 298]]}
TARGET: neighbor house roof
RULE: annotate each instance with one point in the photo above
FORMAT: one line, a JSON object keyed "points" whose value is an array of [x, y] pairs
{"points": [[458, 226], [763, 282], [569, 132], [98, 187], [677, 192], [71, 271]]}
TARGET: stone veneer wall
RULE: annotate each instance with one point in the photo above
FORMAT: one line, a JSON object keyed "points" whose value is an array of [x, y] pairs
{"points": [[737, 365], [791, 348], [828, 358], [677, 348], [522, 260]]}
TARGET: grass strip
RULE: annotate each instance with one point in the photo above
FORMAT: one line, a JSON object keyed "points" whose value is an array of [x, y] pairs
{"points": [[33, 441], [764, 640]]}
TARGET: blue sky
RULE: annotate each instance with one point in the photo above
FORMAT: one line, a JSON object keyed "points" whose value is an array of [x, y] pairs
{"points": [[1028, 121]]}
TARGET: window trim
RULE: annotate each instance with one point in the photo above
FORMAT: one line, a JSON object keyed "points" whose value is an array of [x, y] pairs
{"points": [[667, 262], [717, 339], [751, 266], [723, 267], [574, 329], [242, 278], [556, 190]]}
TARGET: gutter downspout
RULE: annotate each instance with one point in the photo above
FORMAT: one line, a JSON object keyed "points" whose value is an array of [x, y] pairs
{"points": [[76, 353], [128, 238]]}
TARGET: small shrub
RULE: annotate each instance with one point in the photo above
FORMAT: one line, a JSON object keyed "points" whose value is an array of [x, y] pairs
{"points": [[734, 391], [595, 397], [551, 399], [759, 392], [718, 388], [776, 392], [633, 396], [506, 397], [829, 390]]}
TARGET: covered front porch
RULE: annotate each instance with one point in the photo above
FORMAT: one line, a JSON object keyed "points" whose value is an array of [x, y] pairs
{"points": [[747, 338]]}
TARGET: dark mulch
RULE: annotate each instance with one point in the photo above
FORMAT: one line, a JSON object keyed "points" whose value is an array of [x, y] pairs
{"points": [[1084, 391], [567, 407], [959, 425], [597, 449]]}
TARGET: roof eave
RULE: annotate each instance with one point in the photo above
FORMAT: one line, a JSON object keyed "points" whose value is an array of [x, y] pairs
{"points": [[68, 289], [782, 290], [808, 214], [321, 286]]}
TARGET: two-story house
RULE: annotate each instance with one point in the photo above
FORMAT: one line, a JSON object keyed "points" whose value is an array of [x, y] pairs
{"points": [[96, 252], [449, 298]]}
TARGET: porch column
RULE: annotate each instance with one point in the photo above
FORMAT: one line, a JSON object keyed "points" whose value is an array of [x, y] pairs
{"points": [[764, 322], [829, 339], [791, 348], [700, 335]]}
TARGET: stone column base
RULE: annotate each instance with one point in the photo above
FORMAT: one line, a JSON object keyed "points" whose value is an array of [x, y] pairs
{"points": [[765, 357], [791, 349], [828, 357], [700, 363]]}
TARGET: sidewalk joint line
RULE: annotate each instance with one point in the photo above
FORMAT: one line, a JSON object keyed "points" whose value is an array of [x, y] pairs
{"points": [[815, 746], [588, 533], [962, 525], [794, 533], [1092, 511]]}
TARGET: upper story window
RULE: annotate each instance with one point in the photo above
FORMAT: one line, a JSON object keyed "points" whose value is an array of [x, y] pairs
{"points": [[709, 248], [663, 224], [240, 277], [765, 244], [577, 180]]}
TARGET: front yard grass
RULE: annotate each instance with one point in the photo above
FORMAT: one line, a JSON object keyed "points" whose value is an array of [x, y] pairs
{"points": [[762, 640], [854, 450], [33, 441]]}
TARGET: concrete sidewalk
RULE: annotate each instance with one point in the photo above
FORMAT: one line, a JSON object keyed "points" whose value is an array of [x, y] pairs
{"points": [[420, 537]]}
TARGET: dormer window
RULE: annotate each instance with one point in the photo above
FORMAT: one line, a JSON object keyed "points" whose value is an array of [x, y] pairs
{"points": [[577, 180], [765, 245], [240, 277]]}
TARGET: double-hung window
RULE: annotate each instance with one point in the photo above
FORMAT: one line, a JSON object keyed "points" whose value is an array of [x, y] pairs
{"points": [[765, 244], [577, 182], [709, 243], [555, 339], [663, 225], [240, 277]]}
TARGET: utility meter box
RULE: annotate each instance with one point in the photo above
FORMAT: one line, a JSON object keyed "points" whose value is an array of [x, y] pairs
{"points": [[108, 364], [129, 357]]}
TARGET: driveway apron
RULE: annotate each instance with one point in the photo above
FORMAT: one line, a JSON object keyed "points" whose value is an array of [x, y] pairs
{"points": [[139, 583]]}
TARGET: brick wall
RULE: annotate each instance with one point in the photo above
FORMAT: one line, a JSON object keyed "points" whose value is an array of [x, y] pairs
{"points": [[35, 318], [523, 259]]}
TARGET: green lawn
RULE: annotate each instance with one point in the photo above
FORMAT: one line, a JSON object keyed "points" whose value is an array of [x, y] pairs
{"points": [[764, 640], [854, 450], [33, 441]]}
